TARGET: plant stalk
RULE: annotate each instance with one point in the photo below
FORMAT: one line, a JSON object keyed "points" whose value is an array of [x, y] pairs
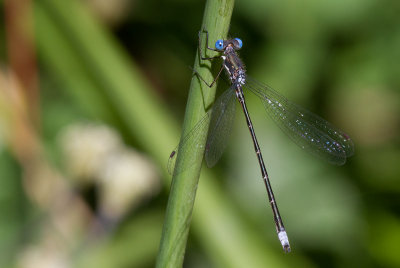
{"points": [[216, 20]]}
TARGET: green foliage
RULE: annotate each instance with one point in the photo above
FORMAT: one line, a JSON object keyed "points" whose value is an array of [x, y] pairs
{"points": [[339, 59]]}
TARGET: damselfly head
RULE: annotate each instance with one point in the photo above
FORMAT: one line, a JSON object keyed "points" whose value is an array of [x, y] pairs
{"points": [[222, 44]]}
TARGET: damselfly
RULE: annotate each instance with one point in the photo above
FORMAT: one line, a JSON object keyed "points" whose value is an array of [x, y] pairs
{"points": [[306, 129]]}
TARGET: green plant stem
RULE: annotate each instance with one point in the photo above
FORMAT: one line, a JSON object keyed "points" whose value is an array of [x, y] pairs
{"points": [[216, 20]]}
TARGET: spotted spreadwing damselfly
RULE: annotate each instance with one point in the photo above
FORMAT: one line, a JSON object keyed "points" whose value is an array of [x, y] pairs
{"points": [[306, 129]]}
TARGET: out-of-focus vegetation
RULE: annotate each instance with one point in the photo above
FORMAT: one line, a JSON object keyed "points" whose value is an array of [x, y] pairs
{"points": [[90, 111]]}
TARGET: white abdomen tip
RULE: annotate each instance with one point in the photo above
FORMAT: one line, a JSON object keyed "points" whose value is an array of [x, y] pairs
{"points": [[284, 241]]}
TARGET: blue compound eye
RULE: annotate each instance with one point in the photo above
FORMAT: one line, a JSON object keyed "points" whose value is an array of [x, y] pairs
{"points": [[240, 43], [219, 44]]}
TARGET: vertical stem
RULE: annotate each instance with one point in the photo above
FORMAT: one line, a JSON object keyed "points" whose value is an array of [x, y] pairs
{"points": [[216, 20]]}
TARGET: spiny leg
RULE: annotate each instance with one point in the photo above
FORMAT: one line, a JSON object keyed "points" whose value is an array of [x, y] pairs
{"points": [[201, 51], [205, 82]]}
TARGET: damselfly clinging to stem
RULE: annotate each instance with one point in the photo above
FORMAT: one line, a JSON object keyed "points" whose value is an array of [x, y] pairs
{"points": [[306, 129]]}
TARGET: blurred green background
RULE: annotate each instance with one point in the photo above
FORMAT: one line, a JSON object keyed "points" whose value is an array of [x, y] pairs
{"points": [[84, 145]]}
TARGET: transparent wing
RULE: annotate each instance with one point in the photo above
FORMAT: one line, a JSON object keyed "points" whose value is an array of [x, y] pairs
{"points": [[222, 116], [192, 141], [306, 129]]}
